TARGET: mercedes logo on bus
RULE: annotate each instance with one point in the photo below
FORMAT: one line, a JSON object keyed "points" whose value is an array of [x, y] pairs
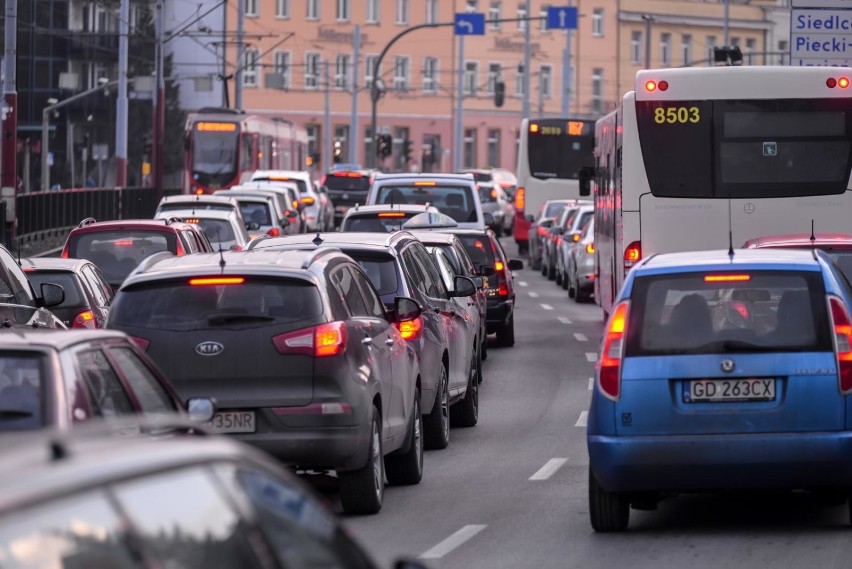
{"points": [[728, 365], [749, 208], [209, 349]]}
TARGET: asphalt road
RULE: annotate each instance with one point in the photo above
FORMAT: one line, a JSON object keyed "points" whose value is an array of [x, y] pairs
{"points": [[512, 491]]}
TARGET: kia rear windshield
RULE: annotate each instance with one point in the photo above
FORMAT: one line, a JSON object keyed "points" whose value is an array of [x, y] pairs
{"points": [[455, 201], [181, 305], [21, 393], [728, 312], [117, 253]]}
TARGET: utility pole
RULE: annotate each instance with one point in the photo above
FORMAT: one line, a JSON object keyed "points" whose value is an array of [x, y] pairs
{"points": [[158, 137], [527, 58], [457, 136], [326, 138], [353, 119], [648, 21], [122, 103], [9, 175], [566, 75], [241, 54]]}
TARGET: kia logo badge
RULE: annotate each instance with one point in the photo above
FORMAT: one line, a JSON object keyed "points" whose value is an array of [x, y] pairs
{"points": [[209, 349], [728, 365]]}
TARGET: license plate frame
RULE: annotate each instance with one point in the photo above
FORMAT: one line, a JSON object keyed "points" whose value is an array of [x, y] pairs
{"points": [[730, 390], [224, 422]]}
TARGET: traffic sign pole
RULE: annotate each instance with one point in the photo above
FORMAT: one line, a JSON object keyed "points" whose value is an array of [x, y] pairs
{"points": [[457, 137]]}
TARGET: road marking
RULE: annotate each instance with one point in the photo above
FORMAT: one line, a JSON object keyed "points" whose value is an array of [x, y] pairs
{"points": [[523, 283], [549, 469], [592, 356], [591, 383], [533, 295], [565, 320], [580, 337], [453, 542], [547, 307], [584, 418]]}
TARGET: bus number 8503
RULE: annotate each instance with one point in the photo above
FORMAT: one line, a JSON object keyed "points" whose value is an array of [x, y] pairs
{"points": [[677, 115]]}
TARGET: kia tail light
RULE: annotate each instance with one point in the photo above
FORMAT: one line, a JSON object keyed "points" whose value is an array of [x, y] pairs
{"points": [[85, 319], [842, 326], [318, 341], [609, 366]]}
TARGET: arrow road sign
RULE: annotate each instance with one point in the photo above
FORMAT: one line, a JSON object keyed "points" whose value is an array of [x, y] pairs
{"points": [[470, 24], [562, 18]]}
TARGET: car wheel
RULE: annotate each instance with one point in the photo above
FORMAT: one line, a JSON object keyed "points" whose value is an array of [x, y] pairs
{"points": [[436, 425], [608, 511], [498, 231], [407, 468], [362, 491], [484, 349], [558, 277], [543, 266], [465, 413], [551, 271], [579, 294], [506, 334], [564, 280]]}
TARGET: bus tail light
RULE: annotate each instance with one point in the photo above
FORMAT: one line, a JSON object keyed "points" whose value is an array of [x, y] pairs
{"points": [[842, 326], [632, 255], [520, 200], [650, 86], [609, 367]]}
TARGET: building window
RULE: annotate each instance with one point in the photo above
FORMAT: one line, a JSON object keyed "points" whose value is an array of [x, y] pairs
{"points": [[373, 11], [542, 12], [469, 148], [635, 47], [493, 76], [471, 77], [313, 9], [369, 64], [545, 78], [282, 8], [401, 11], [519, 81], [251, 8], [430, 75], [341, 71], [751, 47], [783, 49], [312, 70], [342, 10], [401, 73], [686, 49], [598, 22], [735, 42], [597, 90], [313, 131], [522, 13], [400, 134], [494, 147], [471, 6], [494, 15], [431, 11], [281, 67], [250, 64], [711, 47], [665, 49]]}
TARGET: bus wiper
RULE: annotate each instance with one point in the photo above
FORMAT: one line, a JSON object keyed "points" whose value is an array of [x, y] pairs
{"points": [[221, 319]]}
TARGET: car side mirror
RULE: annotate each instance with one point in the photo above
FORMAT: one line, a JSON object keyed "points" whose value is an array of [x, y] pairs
{"points": [[516, 265], [558, 230], [252, 225], [285, 222], [405, 309], [585, 178], [487, 271], [463, 287], [51, 295], [201, 409], [530, 218], [488, 219], [479, 282]]}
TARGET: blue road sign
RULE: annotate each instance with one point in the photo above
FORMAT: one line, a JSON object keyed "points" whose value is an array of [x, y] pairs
{"points": [[562, 18], [470, 24]]}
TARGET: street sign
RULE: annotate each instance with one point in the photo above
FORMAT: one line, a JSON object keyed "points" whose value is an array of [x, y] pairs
{"points": [[821, 4], [470, 24], [100, 152], [562, 18], [821, 37]]}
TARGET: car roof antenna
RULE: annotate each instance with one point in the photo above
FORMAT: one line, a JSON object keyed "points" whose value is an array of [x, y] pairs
{"points": [[221, 253], [318, 240], [19, 251], [813, 237], [730, 233]]}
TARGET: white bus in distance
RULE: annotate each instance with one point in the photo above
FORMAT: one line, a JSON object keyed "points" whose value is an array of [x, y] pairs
{"points": [[692, 151]]}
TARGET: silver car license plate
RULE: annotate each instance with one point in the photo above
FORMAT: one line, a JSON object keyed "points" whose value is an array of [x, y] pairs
{"points": [[232, 422]]}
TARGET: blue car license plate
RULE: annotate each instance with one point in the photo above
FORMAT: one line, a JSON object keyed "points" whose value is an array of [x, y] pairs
{"points": [[725, 390]]}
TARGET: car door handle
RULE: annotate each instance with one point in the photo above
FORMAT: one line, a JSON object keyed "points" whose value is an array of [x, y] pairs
{"points": [[389, 341], [368, 341]]}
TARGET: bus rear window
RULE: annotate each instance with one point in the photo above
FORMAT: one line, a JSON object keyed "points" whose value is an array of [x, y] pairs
{"points": [[557, 150]]}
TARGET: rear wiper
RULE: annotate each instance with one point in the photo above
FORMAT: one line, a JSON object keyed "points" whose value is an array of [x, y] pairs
{"points": [[740, 346], [231, 318], [14, 414]]}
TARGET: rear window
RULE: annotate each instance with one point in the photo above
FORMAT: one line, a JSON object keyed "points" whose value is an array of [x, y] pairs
{"points": [[21, 379], [552, 209], [482, 176], [74, 297], [177, 305], [711, 313], [380, 269], [455, 201], [344, 182], [117, 253], [487, 194], [478, 249], [256, 212], [371, 223], [217, 231], [200, 206]]}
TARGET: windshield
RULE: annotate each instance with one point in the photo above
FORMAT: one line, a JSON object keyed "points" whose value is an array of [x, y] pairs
{"points": [[117, 253], [380, 269], [487, 194], [376, 222], [256, 212], [218, 231], [214, 153], [177, 305], [748, 149], [20, 391], [559, 148], [344, 182], [454, 201], [552, 209], [478, 249], [192, 205], [724, 312]]}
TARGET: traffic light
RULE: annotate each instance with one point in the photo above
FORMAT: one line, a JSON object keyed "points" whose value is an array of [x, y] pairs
{"points": [[406, 150], [338, 151], [499, 93], [383, 146]]}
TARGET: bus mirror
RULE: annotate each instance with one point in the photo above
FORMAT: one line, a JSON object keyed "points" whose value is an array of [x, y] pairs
{"points": [[586, 173]]}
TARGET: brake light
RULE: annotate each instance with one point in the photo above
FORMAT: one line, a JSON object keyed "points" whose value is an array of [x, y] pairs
{"points": [[502, 289], [318, 341], [842, 343], [425, 184], [347, 174], [499, 266], [214, 281], [590, 248], [85, 319], [411, 329], [542, 231], [141, 342], [731, 278], [391, 214], [632, 255], [180, 251], [308, 201], [276, 178], [274, 232], [740, 308], [520, 199], [609, 366], [123, 243], [64, 254]]}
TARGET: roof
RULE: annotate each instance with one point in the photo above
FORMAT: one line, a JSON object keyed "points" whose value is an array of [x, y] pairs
{"points": [[344, 240], [424, 176], [260, 175], [147, 224], [250, 193], [431, 237], [53, 264], [378, 208], [719, 260], [801, 240], [23, 338], [199, 213], [205, 198]]}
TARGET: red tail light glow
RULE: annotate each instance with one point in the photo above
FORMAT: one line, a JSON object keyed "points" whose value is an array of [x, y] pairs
{"points": [[274, 232], [541, 231], [180, 251], [609, 367], [842, 325], [502, 289], [347, 174], [64, 254], [632, 255], [123, 243], [319, 341], [732, 278], [212, 281], [85, 319], [411, 329], [520, 199], [740, 308]]}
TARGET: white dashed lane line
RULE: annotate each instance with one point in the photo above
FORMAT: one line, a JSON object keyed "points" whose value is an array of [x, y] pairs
{"points": [[523, 283], [549, 469], [592, 356], [591, 383], [584, 418], [453, 542], [580, 337], [565, 320], [533, 295], [547, 307]]}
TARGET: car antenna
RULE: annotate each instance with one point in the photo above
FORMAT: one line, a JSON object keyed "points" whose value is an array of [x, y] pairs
{"points": [[730, 233], [221, 253], [813, 237], [317, 240], [19, 251]]}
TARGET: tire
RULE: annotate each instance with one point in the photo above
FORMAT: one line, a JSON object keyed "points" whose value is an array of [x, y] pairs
{"points": [[543, 266], [558, 277], [407, 468], [498, 231], [436, 425], [608, 511], [506, 334], [465, 413], [580, 296], [551, 272], [479, 376], [571, 290], [564, 280], [362, 491]]}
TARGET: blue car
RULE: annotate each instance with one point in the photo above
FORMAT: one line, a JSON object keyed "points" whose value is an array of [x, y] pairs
{"points": [[722, 372]]}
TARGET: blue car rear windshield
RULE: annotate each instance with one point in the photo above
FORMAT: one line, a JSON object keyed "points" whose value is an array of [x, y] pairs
{"points": [[726, 312]]}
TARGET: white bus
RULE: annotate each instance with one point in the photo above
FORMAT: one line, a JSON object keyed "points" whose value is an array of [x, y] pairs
{"points": [[551, 155], [690, 152]]}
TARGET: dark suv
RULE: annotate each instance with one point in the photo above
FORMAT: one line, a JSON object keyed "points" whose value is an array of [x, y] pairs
{"points": [[299, 353], [399, 265], [347, 188]]}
